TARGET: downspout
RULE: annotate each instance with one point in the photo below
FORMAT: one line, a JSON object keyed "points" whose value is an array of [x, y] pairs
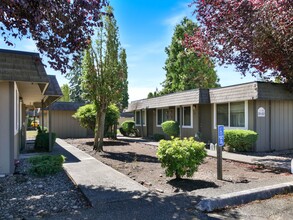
{"points": [[181, 118], [11, 125]]}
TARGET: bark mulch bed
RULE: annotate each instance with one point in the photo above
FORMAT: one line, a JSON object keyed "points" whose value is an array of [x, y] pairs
{"points": [[139, 162]]}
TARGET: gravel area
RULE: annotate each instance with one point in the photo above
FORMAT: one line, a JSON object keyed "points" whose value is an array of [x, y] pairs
{"points": [[24, 196]]}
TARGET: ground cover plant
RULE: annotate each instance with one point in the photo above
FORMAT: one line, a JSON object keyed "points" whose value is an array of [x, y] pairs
{"points": [[46, 164]]}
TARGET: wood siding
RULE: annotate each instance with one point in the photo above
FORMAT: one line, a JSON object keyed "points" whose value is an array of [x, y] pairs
{"points": [[281, 125], [262, 126], [65, 126]]}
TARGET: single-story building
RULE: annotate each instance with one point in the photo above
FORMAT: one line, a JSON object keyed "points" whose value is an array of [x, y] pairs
{"points": [[63, 124], [264, 107], [23, 84]]}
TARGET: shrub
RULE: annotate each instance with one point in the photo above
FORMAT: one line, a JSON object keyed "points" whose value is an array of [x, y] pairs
{"points": [[158, 137], [128, 129], [111, 119], [42, 141], [86, 116], [240, 140], [40, 130], [46, 165], [181, 157], [171, 128]]}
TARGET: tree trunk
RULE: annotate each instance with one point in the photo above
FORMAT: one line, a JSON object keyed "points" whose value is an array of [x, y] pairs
{"points": [[96, 131], [99, 136]]}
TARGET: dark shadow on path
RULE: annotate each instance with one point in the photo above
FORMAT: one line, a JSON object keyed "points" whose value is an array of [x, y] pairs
{"points": [[130, 157], [188, 185]]}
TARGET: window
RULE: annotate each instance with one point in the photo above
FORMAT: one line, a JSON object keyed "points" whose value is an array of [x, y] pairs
{"points": [[138, 118], [187, 116], [163, 115], [233, 114]]}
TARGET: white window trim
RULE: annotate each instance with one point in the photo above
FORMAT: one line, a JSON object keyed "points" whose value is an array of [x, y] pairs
{"points": [[228, 127], [157, 116], [191, 118], [144, 124]]}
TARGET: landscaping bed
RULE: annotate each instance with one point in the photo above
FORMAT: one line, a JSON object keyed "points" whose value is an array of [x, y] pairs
{"points": [[139, 162]]}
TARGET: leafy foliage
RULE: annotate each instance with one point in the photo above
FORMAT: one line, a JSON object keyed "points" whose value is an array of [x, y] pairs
{"points": [[181, 157], [112, 116], [86, 115], [42, 141], [240, 140], [75, 78], [123, 68], [46, 164], [59, 28], [256, 36], [66, 91], [171, 128], [185, 70], [103, 76], [128, 129]]}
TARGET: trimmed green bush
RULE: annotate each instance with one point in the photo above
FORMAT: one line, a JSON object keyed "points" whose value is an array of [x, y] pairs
{"points": [[46, 164], [158, 137], [171, 128], [181, 157], [240, 140], [42, 141], [128, 129]]}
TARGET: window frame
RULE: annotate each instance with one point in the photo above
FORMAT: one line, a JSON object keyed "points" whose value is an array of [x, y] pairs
{"points": [[143, 115], [157, 114], [229, 115], [191, 116]]}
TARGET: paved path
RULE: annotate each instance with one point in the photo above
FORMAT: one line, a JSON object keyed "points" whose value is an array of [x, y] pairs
{"points": [[99, 182]]}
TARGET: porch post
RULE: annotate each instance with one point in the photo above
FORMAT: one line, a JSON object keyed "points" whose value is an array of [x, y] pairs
{"points": [[50, 129], [181, 118], [42, 114], [141, 124]]}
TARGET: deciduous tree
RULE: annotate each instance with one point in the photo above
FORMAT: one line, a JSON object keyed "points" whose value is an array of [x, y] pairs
{"points": [[102, 76], [255, 35], [59, 28], [66, 91]]}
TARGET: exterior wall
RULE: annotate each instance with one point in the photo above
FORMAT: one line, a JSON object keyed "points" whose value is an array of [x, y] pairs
{"points": [[263, 126], [64, 125], [281, 125], [205, 122], [4, 128]]}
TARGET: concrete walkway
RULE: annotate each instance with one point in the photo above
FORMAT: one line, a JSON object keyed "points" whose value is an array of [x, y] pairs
{"points": [[112, 193], [99, 182]]}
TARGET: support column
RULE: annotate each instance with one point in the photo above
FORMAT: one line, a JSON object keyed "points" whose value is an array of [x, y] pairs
{"points": [[181, 121], [141, 123], [50, 129]]}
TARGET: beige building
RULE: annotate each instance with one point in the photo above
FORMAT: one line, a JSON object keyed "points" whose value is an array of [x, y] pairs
{"points": [[23, 84], [63, 124], [266, 108]]}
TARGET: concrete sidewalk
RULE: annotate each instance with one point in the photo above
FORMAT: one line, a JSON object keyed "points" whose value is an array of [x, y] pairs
{"points": [[99, 182], [103, 185]]}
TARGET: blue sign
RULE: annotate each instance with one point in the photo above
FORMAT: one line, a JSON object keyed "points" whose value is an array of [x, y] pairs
{"points": [[221, 139]]}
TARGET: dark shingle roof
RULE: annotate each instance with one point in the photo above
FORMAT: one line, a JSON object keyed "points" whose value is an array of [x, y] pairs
{"points": [[189, 97], [240, 92], [22, 66], [66, 106]]}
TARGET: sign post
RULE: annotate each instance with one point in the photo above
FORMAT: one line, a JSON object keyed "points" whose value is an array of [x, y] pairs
{"points": [[221, 143]]}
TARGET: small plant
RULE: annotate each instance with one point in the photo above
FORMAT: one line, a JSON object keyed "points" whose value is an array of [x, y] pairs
{"points": [[128, 129], [240, 140], [181, 157], [46, 164], [171, 128], [42, 141], [158, 137]]}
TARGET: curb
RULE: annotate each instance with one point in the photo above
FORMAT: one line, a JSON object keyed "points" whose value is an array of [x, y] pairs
{"points": [[242, 197]]}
